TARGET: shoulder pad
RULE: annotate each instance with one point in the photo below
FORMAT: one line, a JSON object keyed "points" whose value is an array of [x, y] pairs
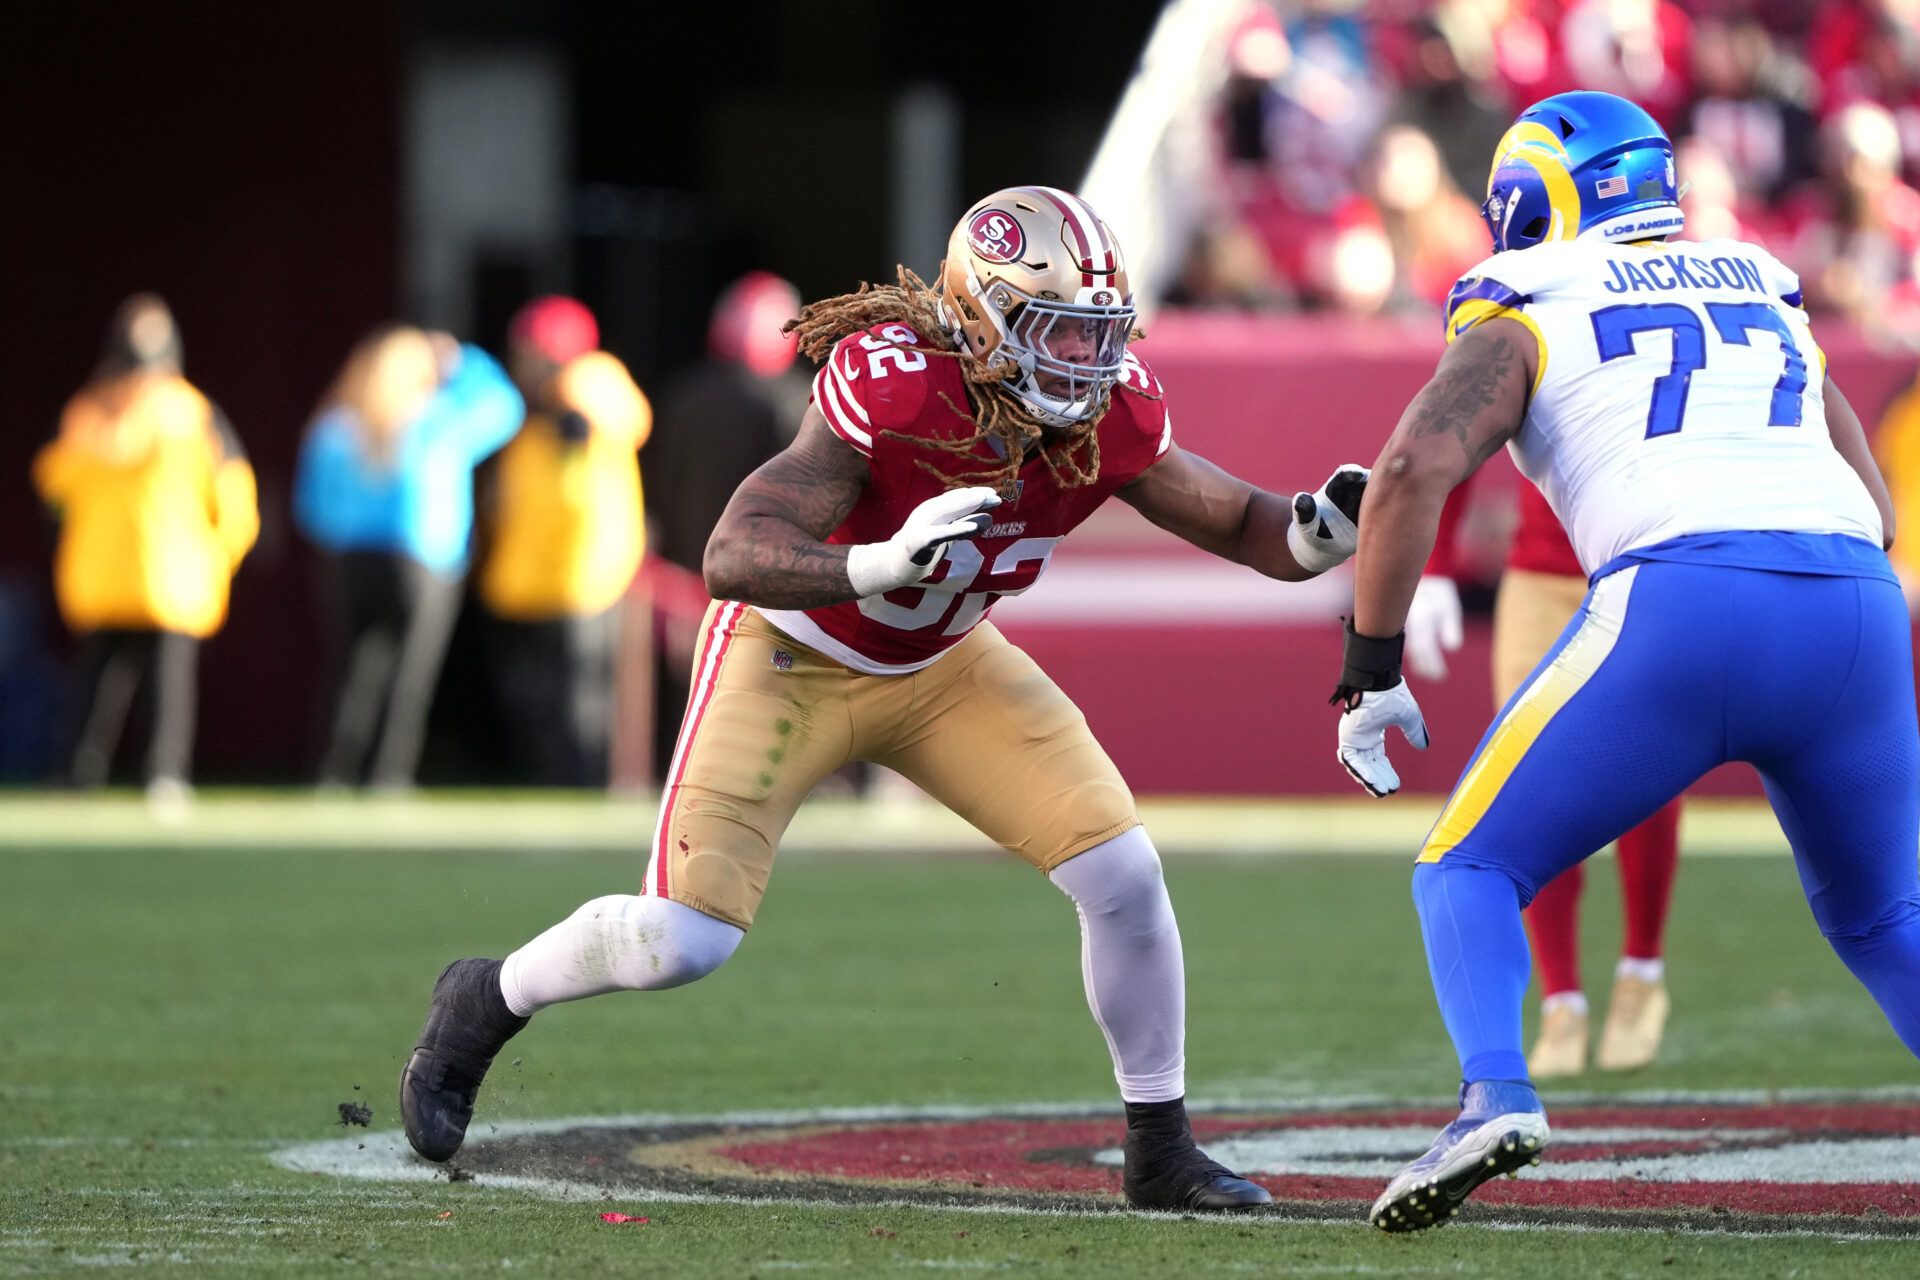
{"points": [[1507, 283], [1479, 297], [1782, 281], [1141, 397], [872, 381]]}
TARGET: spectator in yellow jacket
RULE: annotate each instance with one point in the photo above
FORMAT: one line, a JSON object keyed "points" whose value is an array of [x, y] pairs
{"points": [[567, 540], [156, 505]]}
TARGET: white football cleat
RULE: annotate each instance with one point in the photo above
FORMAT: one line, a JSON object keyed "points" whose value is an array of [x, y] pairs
{"points": [[1501, 1128]]}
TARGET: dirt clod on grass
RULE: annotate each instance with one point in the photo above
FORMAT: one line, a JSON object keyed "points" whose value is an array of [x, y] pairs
{"points": [[355, 1113]]}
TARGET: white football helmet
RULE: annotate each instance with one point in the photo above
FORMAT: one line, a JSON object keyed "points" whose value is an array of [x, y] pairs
{"points": [[1035, 278]]}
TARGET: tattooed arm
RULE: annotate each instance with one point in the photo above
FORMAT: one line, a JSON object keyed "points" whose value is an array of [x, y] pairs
{"points": [[769, 547], [1475, 403]]}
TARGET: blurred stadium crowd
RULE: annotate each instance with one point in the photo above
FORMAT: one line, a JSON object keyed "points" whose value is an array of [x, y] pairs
{"points": [[1353, 140]]}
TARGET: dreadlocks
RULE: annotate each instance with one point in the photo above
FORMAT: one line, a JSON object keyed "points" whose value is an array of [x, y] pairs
{"points": [[994, 413]]}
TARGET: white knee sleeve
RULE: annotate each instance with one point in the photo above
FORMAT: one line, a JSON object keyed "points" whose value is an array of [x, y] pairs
{"points": [[1130, 958], [616, 943]]}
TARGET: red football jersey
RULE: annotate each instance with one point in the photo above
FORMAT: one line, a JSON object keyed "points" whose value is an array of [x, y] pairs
{"points": [[872, 385], [1540, 544]]}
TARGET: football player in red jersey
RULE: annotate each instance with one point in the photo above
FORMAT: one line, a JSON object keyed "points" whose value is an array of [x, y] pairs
{"points": [[957, 434]]}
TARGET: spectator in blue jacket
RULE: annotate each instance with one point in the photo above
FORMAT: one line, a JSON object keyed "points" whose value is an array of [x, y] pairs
{"points": [[385, 489]]}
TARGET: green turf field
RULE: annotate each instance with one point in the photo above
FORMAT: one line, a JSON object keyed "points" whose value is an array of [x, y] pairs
{"points": [[182, 1002]]}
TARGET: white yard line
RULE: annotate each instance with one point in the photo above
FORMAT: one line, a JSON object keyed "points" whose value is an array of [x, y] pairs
{"points": [[537, 823]]}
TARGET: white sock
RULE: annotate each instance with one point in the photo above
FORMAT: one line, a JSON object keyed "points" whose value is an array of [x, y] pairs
{"points": [[616, 943], [1654, 970], [1131, 961], [1574, 1000]]}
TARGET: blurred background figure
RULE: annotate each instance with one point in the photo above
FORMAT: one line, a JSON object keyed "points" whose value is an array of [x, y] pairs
{"points": [[1711, 197], [1639, 49], [566, 538], [1434, 230], [157, 506], [1896, 447], [1853, 234], [1226, 268], [384, 487], [1506, 46], [1753, 104], [718, 421], [1328, 99], [1869, 51], [727, 415], [1301, 106], [1464, 113]]}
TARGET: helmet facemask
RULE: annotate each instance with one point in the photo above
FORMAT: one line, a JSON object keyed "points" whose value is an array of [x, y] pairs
{"points": [[1069, 355]]}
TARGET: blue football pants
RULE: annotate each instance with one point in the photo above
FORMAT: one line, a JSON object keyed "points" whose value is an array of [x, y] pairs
{"points": [[1668, 670]]}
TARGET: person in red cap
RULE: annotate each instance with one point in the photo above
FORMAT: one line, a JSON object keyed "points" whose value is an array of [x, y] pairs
{"points": [[567, 538], [552, 330], [718, 421]]}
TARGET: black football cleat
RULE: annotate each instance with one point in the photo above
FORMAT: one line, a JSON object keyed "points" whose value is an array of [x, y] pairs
{"points": [[467, 1023], [1166, 1171]]}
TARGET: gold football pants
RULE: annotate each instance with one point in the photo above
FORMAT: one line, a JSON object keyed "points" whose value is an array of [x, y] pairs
{"points": [[1529, 614], [982, 730]]}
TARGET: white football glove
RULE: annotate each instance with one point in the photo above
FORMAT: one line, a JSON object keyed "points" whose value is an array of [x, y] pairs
{"points": [[1433, 627], [1325, 529], [1363, 735], [910, 554]]}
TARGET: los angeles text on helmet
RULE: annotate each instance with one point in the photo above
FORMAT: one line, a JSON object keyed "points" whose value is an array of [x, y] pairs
{"points": [[1663, 273]]}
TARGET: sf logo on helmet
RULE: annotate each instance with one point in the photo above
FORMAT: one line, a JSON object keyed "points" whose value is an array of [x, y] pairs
{"points": [[995, 236]]}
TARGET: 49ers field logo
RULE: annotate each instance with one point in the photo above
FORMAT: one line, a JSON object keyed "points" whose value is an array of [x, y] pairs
{"points": [[1833, 1165]]}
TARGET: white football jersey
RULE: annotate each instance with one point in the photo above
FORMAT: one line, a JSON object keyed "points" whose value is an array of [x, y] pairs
{"points": [[1679, 392]]}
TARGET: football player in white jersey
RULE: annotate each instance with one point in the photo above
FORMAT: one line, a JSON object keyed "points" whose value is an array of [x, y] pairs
{"points": [[1668, 399]]}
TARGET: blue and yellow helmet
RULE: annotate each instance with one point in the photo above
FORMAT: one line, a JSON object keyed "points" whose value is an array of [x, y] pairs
{"points": [[1581, 164]]}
